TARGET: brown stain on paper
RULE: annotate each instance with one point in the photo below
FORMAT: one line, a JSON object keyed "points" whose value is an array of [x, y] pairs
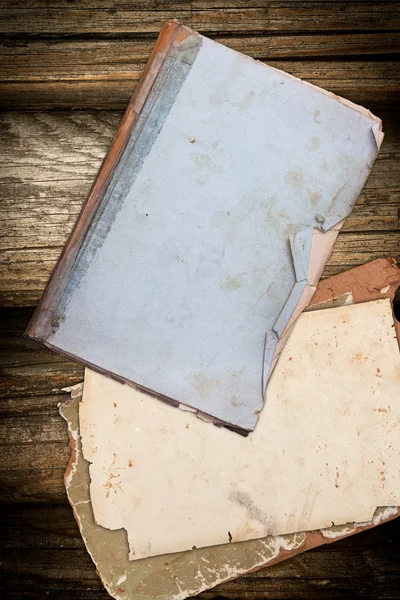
{"points": [[231, 283], [295, 179], [314, 197]]}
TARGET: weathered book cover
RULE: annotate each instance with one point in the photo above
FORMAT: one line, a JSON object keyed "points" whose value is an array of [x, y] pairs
{"points": [[207, 228]]}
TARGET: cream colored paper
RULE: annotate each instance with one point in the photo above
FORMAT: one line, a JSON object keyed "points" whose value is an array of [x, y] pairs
{"points": [[325, 450], [186, 573]]}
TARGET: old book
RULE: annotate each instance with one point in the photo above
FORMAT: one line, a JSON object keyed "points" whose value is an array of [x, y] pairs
{"points": [[207, 228]]}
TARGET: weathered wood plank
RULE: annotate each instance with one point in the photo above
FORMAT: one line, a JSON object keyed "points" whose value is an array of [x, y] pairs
{"points": [[51, 160], [44, 428], [26, 60], [42, 543], [29, 370], [34, 447], [65, 573], [113, 18], [109, 84], [34, 486]]}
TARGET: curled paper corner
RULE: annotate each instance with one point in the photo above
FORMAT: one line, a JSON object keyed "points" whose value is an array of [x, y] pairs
{"points": [[310, 248], [378, 133]]}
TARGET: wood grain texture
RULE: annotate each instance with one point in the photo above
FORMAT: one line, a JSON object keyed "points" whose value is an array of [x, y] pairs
{"points": [[104, 74], [51, 160], [121, 17], [89, 54], [373, 83]]}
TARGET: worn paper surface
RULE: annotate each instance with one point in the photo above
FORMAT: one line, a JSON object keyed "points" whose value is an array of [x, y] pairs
{"points": [[214, 230], [175, 576], [331, 419]]}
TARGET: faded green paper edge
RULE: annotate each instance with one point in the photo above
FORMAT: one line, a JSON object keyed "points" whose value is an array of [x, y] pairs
{"points": [[176, 576]]}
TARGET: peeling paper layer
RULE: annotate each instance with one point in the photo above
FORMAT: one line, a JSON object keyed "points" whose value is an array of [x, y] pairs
{"points": [[331, 420], [214, 230], [177, 576]]}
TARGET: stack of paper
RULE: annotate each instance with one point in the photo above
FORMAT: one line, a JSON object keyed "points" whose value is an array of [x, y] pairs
{"points": [[201, 243]]}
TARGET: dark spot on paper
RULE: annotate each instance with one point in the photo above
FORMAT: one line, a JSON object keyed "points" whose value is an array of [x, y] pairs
{"points": [[290, 357], [315, 197], [245, 500], [120, 590], [193, 141], [316, 115], [313, 144], [230, 283], [193, 547], [187, 426], [130, 463], [115, 404], [229, 536], [337, 478]]}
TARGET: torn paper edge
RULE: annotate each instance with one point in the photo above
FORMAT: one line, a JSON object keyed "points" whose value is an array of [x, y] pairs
{"points": [[281, 547], [310, 248]]}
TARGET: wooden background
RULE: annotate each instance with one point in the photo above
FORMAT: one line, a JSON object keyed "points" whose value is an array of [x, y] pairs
{"points": [[67, 70]]}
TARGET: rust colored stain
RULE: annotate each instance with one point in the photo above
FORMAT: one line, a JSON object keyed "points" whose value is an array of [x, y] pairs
{"points": [[111, 484], [337, 478]]}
